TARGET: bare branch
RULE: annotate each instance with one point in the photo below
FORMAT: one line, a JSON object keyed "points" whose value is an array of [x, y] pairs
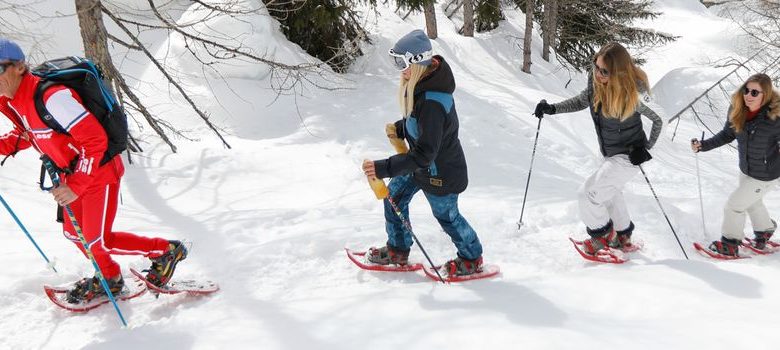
{"points": [[168, 77]]}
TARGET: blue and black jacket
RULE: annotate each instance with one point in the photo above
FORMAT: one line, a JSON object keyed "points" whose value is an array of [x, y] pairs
{"points": [[435, 157]]}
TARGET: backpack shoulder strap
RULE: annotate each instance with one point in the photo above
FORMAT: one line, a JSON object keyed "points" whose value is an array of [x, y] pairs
{"points": [[40, 106]]}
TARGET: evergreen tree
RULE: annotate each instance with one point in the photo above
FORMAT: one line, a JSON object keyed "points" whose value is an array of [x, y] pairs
{"points": [[583, 26], [488, 14], [326, 29]]}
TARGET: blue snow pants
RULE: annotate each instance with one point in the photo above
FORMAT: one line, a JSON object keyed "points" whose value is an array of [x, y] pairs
{"points": [[445, 210]]}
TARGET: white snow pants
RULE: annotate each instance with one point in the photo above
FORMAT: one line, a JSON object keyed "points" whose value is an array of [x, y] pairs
{"points": [[747, 199], [601, 196]]}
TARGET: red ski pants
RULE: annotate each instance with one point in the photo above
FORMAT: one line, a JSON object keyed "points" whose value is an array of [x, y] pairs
{"points": [[95, 210]]}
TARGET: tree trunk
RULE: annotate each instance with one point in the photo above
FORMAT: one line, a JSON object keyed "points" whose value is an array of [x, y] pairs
{"points": [[93, 34], [468, 18], [550, 27], [430, 19], [529, 26]]}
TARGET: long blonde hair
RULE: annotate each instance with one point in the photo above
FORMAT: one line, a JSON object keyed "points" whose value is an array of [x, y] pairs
{"points": [[406, 87], [618, 98], [739, 110]]}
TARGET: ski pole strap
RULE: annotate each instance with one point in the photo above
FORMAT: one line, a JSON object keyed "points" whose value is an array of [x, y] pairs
{"points": [[48, 166]]}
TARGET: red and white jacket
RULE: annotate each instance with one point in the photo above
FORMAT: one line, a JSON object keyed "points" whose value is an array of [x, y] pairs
{"points": [[87, 139]]}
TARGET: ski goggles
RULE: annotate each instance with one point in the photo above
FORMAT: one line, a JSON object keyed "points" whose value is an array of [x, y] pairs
{"points": [[402, 61]]}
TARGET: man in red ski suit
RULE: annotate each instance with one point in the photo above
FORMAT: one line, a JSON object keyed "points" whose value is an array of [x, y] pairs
{"points": [[89, 187]]}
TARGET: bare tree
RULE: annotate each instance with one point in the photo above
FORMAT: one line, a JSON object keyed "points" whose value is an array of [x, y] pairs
{"points": [[95, 39], [468, 18], [430, 19], [550, 25], [209, 48], [529, 26], [14, 21], [760, 20]]}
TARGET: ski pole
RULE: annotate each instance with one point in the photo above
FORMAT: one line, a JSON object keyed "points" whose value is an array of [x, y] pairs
{"points": [[55, 179], [701, 200], [530, 169], [663, 211], [382, 192], [19, 222]]}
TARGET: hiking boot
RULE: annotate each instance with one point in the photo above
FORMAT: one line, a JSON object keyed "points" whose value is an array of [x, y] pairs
{"points": [[727, 247], [162, 268], [759, 242], [88, 288], [613, 240], [600, 238], [463, 267], [761, 237], [625, 241], [621, 239], [387, 255], [592, 245]]}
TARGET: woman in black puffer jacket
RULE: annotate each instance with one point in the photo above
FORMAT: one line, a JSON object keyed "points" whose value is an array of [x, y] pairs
{"points": [[753, 122]]}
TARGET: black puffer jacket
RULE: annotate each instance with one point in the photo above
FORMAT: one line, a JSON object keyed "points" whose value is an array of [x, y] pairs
{"points": [[435, 157], [759, 154], [615, 136]]}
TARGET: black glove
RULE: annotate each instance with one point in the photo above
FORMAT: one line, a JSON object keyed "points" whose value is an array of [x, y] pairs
{"points": [[638, 155], [543, 108]]}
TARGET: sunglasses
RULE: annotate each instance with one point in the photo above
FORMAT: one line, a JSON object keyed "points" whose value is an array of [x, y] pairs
{"points": [[603, 71], [4, 66], [403, 61], [751, 92]]}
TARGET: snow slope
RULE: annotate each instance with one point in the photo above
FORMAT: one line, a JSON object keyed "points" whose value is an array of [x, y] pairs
{"points": [[269, 219]]}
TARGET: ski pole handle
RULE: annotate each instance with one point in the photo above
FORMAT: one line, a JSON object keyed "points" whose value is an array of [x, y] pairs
{"points": [[699, 140]]}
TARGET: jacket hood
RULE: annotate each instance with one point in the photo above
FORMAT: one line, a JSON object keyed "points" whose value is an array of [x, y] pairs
{"points": [[440, 80], [773, 108]]}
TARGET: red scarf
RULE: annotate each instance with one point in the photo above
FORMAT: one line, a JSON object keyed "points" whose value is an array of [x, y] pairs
{"points": [[750, 115]]}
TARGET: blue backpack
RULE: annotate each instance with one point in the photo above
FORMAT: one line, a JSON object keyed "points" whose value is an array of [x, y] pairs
{"points": [[81, 75]]}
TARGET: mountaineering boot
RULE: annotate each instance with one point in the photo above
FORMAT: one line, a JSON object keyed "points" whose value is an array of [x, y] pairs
{"points": [[387, 255], [87, 289], [726, 246], [463, 267], [163, 266]]}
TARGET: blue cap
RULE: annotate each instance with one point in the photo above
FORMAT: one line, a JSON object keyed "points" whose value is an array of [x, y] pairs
{"points": [[416, 43], [9, 51]]}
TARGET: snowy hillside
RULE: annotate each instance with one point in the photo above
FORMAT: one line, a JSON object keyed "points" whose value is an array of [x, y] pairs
{"points": [[270, 218]]}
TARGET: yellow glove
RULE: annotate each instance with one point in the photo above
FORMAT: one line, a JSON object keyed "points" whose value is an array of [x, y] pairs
{"points": [[399, 144]]}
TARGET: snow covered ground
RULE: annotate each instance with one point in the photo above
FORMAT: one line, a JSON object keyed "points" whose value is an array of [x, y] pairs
{"points": [[269, 219]]}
